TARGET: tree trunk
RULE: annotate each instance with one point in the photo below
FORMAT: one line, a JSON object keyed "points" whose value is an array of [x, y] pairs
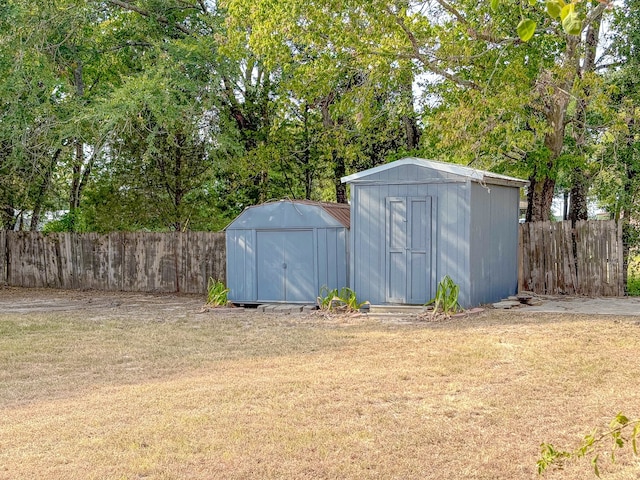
{"points": [[539, 198], [306, 156], [579, 187], [339, 168], [42, 190], [555, 104], [341, 188], [412, 133], [8, 217], [541, 187], [580, 179], [78, 177]]}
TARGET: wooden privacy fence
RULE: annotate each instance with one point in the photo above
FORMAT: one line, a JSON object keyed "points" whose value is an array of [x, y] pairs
{"points": [[558, 259], [145, 262]]}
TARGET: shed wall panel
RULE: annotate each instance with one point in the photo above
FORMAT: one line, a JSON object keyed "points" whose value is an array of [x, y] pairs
{"points": [[241, 266], [263, 239], [323, 242], [494, 243], [450, 227], [332, 258]]}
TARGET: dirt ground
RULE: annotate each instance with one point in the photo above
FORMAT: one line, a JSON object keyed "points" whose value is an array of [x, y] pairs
{"points": [[586, 305], [105, 304], [176, 306]]}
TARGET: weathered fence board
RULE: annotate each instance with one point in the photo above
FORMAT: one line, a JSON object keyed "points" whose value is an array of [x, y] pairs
{"points": [[558, 259], [147, 262], [3, 256]]}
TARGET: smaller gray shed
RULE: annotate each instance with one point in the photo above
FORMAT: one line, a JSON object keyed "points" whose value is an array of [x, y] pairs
{"points": [[415, 221], [286, 251]]}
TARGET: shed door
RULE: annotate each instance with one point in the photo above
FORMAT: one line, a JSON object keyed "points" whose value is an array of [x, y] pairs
{"points": [[408, 252], [285, 266]]}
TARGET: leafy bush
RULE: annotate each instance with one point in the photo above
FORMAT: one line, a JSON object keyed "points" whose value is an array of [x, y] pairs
{"points": [[69, 222], [216, 293]]}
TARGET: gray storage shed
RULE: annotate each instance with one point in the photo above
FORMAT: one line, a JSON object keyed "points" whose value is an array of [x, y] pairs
{"points": [[415, 220], [286, 251]]}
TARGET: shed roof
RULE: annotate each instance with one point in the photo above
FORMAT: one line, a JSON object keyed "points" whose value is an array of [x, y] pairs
{"points": [[293, 214], [473, 174], [339, 211]]}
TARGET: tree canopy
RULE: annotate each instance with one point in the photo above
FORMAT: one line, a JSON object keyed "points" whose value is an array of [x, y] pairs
{"points": [[177, 114]]}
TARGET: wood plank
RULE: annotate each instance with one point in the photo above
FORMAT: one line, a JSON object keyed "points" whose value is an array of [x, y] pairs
{"points": [[568, 260], [3, 257]]}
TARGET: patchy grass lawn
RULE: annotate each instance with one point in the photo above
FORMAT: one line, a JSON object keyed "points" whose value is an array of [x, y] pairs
{"points": [[84, 395]]}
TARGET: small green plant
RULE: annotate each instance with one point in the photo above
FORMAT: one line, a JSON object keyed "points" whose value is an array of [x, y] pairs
{"points": [[326, 297], [343, 300], [622, 431], [446, 299], [216, 293]]}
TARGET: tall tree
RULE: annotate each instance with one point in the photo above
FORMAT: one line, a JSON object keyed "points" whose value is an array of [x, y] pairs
{"points": [[165, 123], [331, 78], [618, 181], [494, 98]]}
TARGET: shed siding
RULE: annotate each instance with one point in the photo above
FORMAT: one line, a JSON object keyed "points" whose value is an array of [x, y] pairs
{"points": [[450, 231], [285, 252], [494, 243], [474, 234], [332, 258], [241, 265]]}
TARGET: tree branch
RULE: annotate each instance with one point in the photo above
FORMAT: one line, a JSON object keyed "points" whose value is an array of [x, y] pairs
{"points": [[423, 58], [594, 14], [203, 6], [146, 13], [472, 31]]}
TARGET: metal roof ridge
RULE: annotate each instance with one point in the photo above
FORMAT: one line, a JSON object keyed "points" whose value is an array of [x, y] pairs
{"points": [[454, 168]]}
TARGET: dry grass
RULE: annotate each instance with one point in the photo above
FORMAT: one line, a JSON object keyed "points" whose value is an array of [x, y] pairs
{"points": [[213, 396]]}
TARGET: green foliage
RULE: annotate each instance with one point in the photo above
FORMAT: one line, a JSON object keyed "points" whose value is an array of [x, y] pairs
{"points": [[342, 300], [216, 293], [568, 13], [554, 7], [178, 114], [633, 276], [73, 221], [446, 299], [622, 432], [526, 28]]}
